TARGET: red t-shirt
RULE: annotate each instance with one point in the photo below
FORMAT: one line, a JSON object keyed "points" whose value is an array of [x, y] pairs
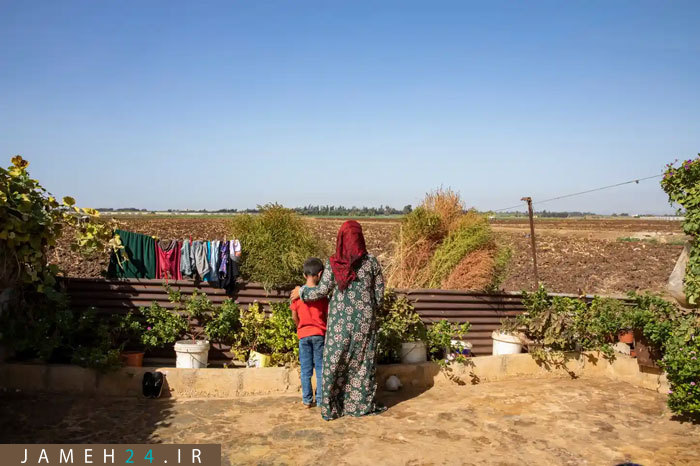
{"points": [[312, 317]]}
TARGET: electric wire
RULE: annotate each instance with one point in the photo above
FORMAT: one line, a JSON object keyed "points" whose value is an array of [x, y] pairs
{"points": [[636, 180]]}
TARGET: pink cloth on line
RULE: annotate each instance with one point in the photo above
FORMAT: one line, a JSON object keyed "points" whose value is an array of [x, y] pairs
{"points": [[168, 262]]}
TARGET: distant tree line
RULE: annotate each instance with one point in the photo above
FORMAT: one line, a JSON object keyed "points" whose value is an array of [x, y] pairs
{"points": [[331, 210]]}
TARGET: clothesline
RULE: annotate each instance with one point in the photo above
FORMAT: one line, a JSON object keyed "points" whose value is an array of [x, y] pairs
{"points": [[143, 256]]}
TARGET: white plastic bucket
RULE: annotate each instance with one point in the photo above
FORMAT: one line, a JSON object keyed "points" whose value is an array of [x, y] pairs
{"points": [[505, 343], [191, 354], [413, 352]]}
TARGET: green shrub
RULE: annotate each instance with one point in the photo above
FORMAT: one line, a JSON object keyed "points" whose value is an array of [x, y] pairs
{"points": [[654, 316], [38, 321], [274, 335], [162, 326], [472, 232], [282, 339], [681, 184], [440, 336], [224, 323], [681, 362], [275, 245], [596, 327]]}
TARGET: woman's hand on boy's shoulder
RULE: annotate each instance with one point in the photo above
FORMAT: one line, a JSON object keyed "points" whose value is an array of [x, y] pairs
{"points": [[294, 295]]}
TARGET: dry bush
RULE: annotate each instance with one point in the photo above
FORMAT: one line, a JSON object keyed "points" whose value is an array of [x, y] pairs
{"points": [[436, 238], [447, 204], [474, 272]]}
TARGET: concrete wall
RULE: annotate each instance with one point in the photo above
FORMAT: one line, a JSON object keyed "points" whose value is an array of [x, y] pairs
{"points": [[231, 383]]}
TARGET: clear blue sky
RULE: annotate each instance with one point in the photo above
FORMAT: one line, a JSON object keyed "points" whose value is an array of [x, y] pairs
{"points": [[174, 104]]}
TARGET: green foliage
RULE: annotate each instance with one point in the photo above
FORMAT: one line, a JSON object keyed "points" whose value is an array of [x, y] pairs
{"points": [[224, 323], [282, 339], [31, 220], [559, 324], [38, 321], [127, 331], [397, 323], [654, 316], [274, 335], [162, 326], [681, 362], [682, 184], [440, 336], [473, 232], [275, 245]]}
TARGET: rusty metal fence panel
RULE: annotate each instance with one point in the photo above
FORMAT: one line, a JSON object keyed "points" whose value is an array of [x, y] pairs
{"points": [[483, 310]]}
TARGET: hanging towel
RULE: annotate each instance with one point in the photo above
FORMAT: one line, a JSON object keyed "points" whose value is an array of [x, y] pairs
{"points": [[136, 260], [186, 259], [201, 261], [168, 260]]}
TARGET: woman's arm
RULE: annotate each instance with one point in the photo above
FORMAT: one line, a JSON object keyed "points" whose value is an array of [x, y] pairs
{"points": [[323, 289], [378, 279]]}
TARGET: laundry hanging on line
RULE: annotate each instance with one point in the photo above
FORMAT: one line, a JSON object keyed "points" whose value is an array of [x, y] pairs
{"points": [[215, 262]]}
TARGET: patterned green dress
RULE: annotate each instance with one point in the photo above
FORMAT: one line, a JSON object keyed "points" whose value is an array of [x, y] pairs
{"points": [[349, 355]]}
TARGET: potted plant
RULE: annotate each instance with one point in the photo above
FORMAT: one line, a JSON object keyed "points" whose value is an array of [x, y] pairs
{"points": [[507, 339], [162, 327], [652, 319], [446, 341], [128, 336], [402, 333], [192, 352]]}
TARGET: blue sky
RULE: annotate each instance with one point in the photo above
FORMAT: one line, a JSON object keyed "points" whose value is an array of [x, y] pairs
{"points": [[173, 104]]}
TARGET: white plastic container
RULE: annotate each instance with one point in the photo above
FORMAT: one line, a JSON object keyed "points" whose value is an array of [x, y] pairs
{"points": [[191, 354], [506, 343], [458, 347], [413, 352]]}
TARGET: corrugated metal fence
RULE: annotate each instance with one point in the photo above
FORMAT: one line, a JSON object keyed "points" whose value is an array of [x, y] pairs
{"points": [[484, 311]]}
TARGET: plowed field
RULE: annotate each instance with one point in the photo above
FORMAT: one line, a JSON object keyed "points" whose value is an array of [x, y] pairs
{"points": [[593, 256]]}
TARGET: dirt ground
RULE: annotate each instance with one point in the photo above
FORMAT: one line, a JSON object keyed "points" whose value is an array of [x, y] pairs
{"points": [[527, 421], [592, 256]]}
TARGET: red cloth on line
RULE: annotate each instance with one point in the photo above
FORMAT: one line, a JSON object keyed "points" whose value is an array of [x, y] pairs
{"points": [[313, 316], [349, 248], [168, 261]]}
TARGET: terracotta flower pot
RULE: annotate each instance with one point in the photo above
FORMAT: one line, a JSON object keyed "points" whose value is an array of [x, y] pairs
{"points": [[132, 358], [626, 336]]}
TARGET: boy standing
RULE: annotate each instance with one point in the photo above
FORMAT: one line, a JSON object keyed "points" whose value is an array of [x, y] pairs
{"points": [[310, 318]]}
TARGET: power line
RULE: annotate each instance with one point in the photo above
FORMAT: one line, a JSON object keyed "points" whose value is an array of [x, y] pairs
{"points": [[636, 180]]}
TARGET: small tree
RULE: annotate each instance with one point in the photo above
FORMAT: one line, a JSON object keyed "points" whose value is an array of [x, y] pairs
{"points": [[275, 245]]}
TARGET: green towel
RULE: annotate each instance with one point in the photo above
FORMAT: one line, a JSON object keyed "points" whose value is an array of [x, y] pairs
{"points": [[141, 252]]}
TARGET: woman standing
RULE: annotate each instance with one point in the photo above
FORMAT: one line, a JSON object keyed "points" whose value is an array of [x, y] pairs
{"points": [[353, 280]]}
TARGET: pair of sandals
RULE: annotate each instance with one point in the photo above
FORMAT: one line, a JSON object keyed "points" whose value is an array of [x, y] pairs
{"points": [[152, 384]]}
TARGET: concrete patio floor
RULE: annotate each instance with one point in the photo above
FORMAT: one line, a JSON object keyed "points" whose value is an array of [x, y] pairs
{"points": [[529, 421]]}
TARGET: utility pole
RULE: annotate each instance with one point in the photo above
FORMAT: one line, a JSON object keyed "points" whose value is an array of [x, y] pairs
{"points": [[532, 238]]}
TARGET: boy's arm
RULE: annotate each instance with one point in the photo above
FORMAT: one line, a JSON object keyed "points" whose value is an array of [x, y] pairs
{"points": [[322, 290]]}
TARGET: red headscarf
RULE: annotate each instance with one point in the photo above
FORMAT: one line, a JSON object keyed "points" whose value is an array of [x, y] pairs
{"points": [[349, 248]]}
